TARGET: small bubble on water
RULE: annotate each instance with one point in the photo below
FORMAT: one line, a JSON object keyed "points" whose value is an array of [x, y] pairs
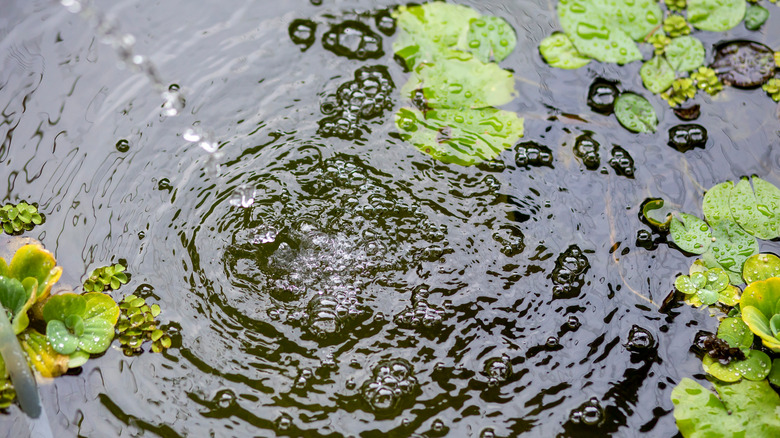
{"points": [[173, 101], [73, 6], [123, 145], [283, 422]]}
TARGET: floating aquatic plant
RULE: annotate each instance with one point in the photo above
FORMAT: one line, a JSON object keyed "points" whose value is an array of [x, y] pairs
{"points": [[675, 25], [676, 5], [16, 298], [745, 408], [19, 217], [137, 324], [453, 90], [681, 90], [80, 325], [7, 393], [635, 113], [755, 17], [707, 286], [706, 80], [659, 40], [106, 278], [716, 15], [558, 51], [760, 306], [772, 88], [759, 267]]}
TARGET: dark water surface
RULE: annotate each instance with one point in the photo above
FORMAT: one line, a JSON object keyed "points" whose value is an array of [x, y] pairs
{"points": [[439, 273]]}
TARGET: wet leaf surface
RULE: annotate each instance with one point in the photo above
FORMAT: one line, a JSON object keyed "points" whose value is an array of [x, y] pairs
{"points": [[635, 113]]}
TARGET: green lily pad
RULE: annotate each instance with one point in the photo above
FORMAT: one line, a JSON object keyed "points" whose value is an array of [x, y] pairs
{"points": [[716, 203], [635, 113], [756, 366], [731, 247], [761, 267], [685, 53], [558, 51], [759, 304], [736, 333], [98, 334], [448, 23], [745, 408], [454, 83], [17, 297], [657, 74], [756, 209], [716, 15], [101, 306], [690, 234], [606, 30], [59, 307], [490, 38], [755, 16], [461, 137]]}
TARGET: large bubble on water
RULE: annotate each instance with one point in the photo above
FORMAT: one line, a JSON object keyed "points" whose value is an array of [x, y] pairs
{"points": [[392, 382]]}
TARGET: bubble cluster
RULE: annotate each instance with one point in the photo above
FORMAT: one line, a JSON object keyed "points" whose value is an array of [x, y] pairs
{"points": [[601, 96], [530, 153], [385, 22], [421, 314], [687, 136], [243, 196], [511, 239], [622, 162], [392, 382], [589, 413], [329, 313], [364, 98], [587, 149], [303, 33], [497, 369], [353, 40], [569, 273]]}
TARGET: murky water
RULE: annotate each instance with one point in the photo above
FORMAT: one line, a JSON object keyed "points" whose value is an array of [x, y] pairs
{"points": [[328, 287]]}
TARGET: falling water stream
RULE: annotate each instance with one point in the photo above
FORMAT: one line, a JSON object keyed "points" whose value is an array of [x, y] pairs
{"points": [[317, 286]]}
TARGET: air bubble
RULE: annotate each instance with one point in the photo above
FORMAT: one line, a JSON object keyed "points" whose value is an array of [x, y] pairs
{"points": [[243, 196]]}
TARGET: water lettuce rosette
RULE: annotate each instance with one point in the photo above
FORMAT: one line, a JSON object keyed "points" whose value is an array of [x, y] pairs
{"points": [[760, 306]]}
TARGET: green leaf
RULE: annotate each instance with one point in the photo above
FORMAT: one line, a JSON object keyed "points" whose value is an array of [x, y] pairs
{"points": [[755, 16], [707, 297], [606, 30], [460, 137], [61, 306], [101, 306], [61, 339], [41, 355], [761, 267], [724, 373], [731, 247], [34, 261], [490, 38], [729, 296], [685, 53], [77, 359], [774, 374], [98, 334], [604, 44], [774, 325], [656, 214], [431, 31], [746, 408], [454, 83], [716, 203], [657, 75], [17, 297], [691, 234], [716, 15], [558, 51], [736, 333], [755, 367], [635, 113], [756, 209]]}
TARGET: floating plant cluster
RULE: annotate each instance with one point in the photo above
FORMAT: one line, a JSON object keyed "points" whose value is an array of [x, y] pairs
{"points": [[736, 216], [76, 326], [456, 84], [608, 32], [20, 217], [106, 278]]}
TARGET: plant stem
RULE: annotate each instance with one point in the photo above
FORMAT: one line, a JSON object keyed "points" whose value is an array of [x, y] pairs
{"points": [[18, 369]]}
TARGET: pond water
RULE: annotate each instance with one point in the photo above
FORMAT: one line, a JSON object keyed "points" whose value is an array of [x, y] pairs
{"points": [[361, 265]]}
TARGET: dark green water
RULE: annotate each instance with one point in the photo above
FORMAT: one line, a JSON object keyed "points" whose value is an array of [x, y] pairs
{"points": [[374, 224]]}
